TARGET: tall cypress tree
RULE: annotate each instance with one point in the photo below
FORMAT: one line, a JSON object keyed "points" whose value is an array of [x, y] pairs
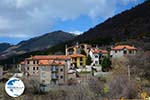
{"points": [[106, 64], [88, 60]]}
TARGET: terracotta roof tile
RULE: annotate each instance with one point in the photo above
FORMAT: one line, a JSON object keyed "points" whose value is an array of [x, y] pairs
{"points": [[45, 62], [51, 62], [95, 50], [49, 57], [120, 47], [77, 55], [103, 51], [58, 63]]}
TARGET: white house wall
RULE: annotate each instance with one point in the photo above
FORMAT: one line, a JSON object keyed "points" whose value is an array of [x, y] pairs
{"points": [[96, 59], [120, 53]]}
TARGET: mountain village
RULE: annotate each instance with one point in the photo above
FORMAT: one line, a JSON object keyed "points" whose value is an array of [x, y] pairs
{"points": [[79, 62], [110, 61]]}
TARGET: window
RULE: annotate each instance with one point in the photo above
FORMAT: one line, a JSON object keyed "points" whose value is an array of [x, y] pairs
{"points": [[130, 52], [56, 76], [28, 62], [124, 52], [81, 59], [78, 51], [33, 62], [96, 56], [43, 67], [96, 62], [33, 68], [61, 69], [100, 56], [43, 75], [75, 59], [61, 76], [54, 68]]}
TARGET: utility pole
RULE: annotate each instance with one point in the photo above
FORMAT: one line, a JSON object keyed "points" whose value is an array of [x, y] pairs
{"points": [[129, 72]]}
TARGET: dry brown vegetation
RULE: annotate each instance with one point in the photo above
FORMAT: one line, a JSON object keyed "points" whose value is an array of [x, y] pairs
{"points": [[140, 69], [140, 65], [120, 85]]}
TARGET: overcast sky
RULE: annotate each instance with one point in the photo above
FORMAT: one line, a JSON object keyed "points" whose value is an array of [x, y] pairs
{"points": [[23, 19]]}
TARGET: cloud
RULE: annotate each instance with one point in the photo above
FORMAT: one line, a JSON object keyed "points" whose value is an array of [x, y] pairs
{"points": [[27, 18], [4, 23], [77, 32], [15, 36]]}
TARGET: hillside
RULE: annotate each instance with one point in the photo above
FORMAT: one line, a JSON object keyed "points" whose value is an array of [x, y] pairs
{"points": [[45, 41], [38, 43], [130, 24], [4, 46]]}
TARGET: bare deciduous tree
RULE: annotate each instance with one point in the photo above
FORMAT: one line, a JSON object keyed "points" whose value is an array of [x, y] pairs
{"points": [[140, 65], [121, 86]]}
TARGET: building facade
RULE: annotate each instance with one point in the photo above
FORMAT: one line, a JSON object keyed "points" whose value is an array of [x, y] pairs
{"points": [[78, 60], [123, 51], [52, 72], [46, 69], [78, 48], [97, 55]]}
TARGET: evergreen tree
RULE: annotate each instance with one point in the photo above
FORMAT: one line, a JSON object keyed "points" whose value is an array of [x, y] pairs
{"points": [[88, 60], [106, 64]]}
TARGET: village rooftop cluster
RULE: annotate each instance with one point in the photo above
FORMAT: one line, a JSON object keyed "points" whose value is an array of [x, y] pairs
{"points": [[50, 70]]}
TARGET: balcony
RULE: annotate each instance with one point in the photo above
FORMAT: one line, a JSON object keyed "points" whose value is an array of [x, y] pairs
{"points": [[54, 69], [54, 76]]}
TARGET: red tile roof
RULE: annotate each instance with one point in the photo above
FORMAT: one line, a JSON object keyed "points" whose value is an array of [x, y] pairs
{"points": [[51, 62], [103, 51], [95, 50], [77, 55], [120, 47], [45, 62], [58, 63], [49, 57]]}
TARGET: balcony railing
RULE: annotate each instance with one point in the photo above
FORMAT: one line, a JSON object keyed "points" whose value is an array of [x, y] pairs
{"points": [[54, 69], [54, 76]]}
